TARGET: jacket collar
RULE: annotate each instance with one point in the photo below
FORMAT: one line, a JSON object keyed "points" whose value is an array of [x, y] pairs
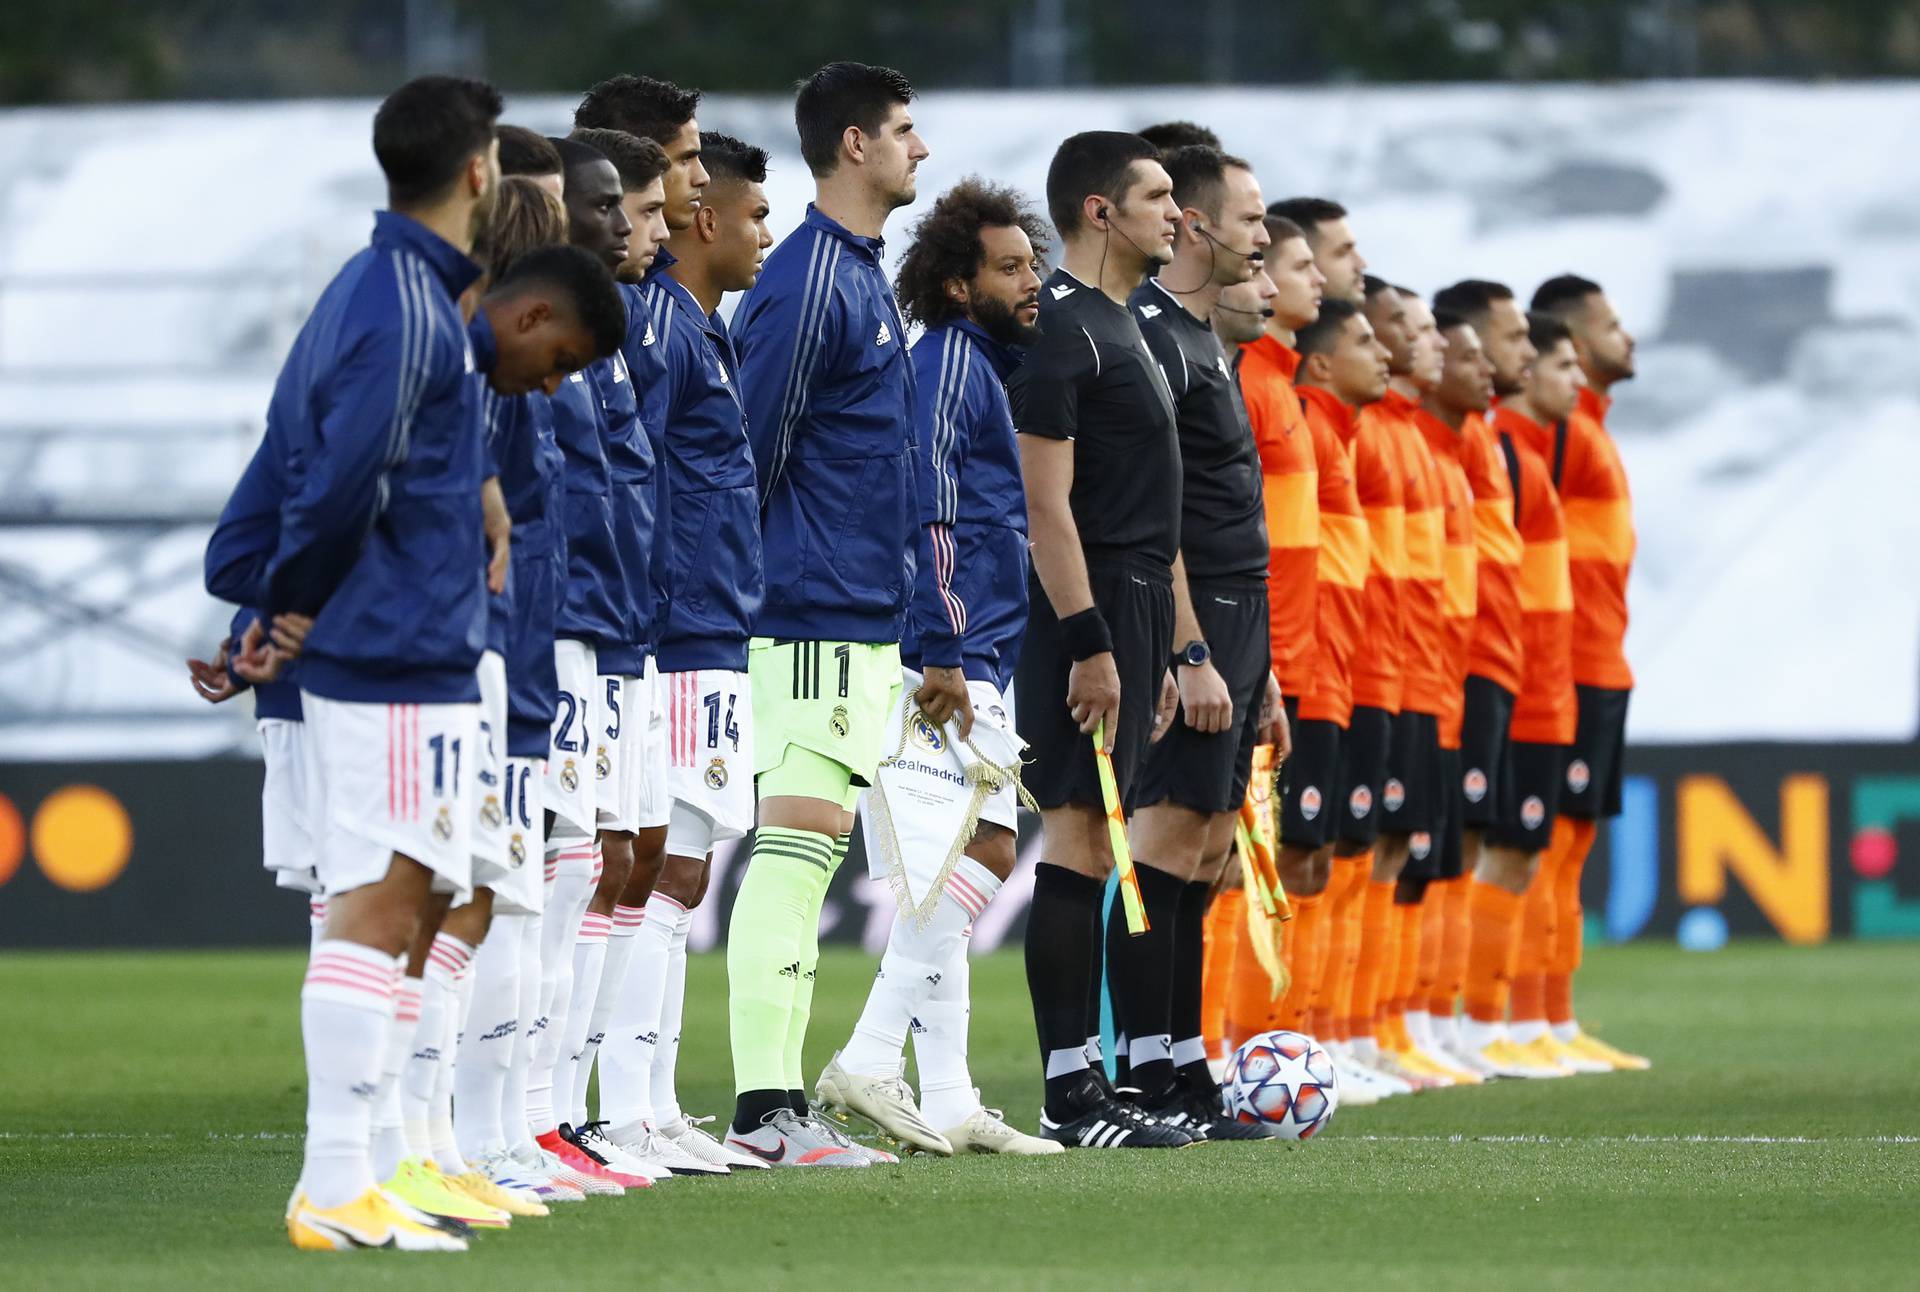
{"points": [[449, 264], [684, 300], [661, 259], [486, 346], [1330, 405], [871, 248], [1283, 356], [1536, 436], [1003, 359], [1594, 404]]}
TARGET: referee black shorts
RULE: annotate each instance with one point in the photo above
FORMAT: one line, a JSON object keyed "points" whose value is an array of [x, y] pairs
{"points": [[1592, 786], [1531, 798], [1307, 780], [1485, 763], [1363, 775], [1136, 598], [1208, 773], [1410, 799]]}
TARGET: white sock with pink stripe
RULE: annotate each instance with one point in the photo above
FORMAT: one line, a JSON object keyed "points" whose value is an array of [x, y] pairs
{"points": [[439, 997], [574, 865], [915, 962], [666, 1051], [316, 924], [621, 940], [390, 1145], [446, 1148], [947, 1094], [589, 966], [633, 1029], [346, 1014]]}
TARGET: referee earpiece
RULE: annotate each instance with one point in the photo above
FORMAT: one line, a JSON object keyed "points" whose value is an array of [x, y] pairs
{"points": [[1101, 214]]}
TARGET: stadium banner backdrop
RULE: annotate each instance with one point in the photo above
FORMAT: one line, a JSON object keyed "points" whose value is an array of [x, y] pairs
{"points": [[1800, 842], [1768, 434]]}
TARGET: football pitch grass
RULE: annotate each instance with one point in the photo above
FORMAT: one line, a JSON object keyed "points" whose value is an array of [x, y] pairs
{"points": [[150, 1110]]}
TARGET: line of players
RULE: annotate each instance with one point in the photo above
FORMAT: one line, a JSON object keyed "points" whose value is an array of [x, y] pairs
{"points": [[678, 503]]}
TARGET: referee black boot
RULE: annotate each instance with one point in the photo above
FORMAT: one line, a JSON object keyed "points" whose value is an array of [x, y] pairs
{"points": [[1094, 1118]]}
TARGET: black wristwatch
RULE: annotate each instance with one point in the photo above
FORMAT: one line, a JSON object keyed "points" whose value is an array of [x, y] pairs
{"points": [[1192, 655]]}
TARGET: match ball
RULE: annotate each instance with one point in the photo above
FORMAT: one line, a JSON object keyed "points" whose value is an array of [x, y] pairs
{"points": [[1284, 1082]]}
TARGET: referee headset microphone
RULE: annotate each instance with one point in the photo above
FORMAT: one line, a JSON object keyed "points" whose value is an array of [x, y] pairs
{"points": [[1215, 245]]}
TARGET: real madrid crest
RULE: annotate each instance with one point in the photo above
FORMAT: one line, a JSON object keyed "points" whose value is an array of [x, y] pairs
{"points": [[569, 777], [490, 815], [443, 824], [838, 724], [927, 735], [717, 774], [602, 764], [517, 851]]}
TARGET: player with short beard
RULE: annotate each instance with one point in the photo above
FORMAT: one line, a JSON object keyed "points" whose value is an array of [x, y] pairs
{"points": [[1593, 489], [829, 407], [1330, 237], [1343, 369], [970, 278], [369, 546], [1100, 462], [1542, 726], [1195, 780], [716, 584]]}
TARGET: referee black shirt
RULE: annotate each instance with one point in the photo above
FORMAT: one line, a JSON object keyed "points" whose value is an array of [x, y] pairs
{"points": [[1090, 378], [1223, 531]]}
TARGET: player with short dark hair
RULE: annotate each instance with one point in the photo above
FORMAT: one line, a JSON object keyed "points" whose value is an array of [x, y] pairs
{"points": [[377, 542], [1543, 721], [1291, 488], [830, 398], [971, 280], [1593, 491], [629, 800], [663, 113], [1100, 462], [1431, 897], [1343, 369], [529, 154], [1335, 250], [1169, 135], [1195, 780], [712, 540]]}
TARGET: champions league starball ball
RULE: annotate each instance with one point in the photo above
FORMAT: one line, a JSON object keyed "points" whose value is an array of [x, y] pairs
{"points": [[1284, 1082]]}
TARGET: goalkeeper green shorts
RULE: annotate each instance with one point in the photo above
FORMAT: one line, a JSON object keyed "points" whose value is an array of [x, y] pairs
{"points": [[830, 699]]}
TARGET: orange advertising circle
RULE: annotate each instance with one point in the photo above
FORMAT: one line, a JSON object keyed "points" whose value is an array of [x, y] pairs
{"points": [[82, 838]]}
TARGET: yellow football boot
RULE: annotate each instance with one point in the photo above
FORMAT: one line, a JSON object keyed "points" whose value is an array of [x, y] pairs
{"points": [[488, 1194], [1619, 1060], [422, 1185], [368, 1221]]}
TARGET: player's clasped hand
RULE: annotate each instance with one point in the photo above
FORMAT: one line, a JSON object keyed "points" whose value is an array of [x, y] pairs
{"points": [[211, 681], [1205, 698], [263, 655], [943, 696], [1093, 695]]}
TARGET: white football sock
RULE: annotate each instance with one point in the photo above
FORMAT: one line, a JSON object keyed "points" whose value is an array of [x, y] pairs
{"points": [[316, 925], [1528, 1032], [513, 1096], [615, 983], [673, 1000], [947, 1094], [589, 966], [916, 961], [486, 1043], [566, 905], [445, 958], [1565, 1032], [633, 1030], [446, 1148], [346, 1016], [390, 1145], [1475, 1035]]}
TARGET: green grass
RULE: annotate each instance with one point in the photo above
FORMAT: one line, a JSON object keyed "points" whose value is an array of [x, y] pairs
{"points": [[150, 1107]]}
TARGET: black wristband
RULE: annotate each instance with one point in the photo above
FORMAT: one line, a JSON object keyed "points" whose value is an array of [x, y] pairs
{"points": [[1085, 634]]}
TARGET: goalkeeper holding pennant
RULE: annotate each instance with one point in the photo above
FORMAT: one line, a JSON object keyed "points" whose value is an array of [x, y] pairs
{"points": [[940, 820]]}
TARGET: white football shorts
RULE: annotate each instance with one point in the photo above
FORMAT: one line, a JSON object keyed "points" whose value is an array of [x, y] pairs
{"points": [[286, 805], [709, 758], [393, 778], [571, 777]]}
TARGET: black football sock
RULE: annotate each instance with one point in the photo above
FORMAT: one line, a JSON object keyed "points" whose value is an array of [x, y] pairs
{"points": [[1061, 928], [797, 1100], [1141, 972], [1189, 963], [751, 1107]]}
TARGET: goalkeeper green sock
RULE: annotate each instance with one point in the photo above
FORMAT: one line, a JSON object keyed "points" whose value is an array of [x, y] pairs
{"points": [[803, 990], [775, 914]]}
